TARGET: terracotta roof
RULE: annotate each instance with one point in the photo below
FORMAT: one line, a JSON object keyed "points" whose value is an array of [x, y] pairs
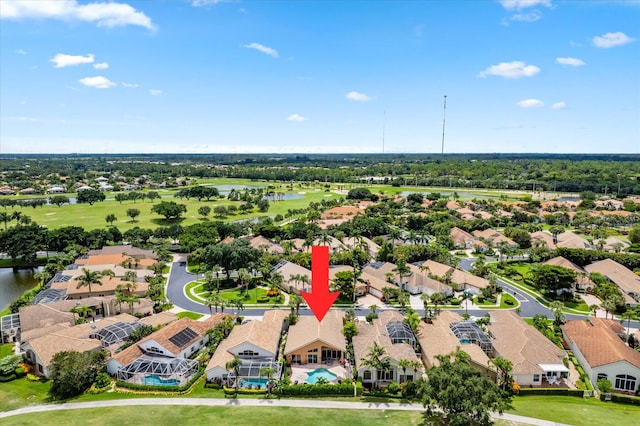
{"points": [[598, 341], [308, 330], [288, 269], [570, 240], [113, 259], [460, 237], [129, 250], [377, 332], [109, 285], [47, 346], [461, 278], [259, 241], [522, 344], [620, 275], [582, 278], [438, 339], [544, 237], [161, 318], [341, 211]]}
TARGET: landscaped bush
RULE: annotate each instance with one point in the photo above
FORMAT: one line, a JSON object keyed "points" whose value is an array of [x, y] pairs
{"points": [[393, 387], [319, 390], [102, 380], [622, 399], [551, 391], [20, 372], [454, 302], [211, 385], [243, 391], [8, 378], [33, 377]]}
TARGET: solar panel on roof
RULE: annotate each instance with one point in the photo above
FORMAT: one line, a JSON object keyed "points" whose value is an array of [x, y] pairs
{"points": [[183, 337]]}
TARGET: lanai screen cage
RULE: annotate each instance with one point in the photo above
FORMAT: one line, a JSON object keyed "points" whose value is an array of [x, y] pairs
{"points": [[49, 295], [9, 328], [179, 369], [400, 332], [252, 369], [470, 332], [117, 332]]}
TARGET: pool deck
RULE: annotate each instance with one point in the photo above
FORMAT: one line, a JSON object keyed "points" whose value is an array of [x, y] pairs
{"points": [[299, 371]]}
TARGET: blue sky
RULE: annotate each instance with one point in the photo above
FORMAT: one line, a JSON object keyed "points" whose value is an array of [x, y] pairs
{"points": [[215, 76]]}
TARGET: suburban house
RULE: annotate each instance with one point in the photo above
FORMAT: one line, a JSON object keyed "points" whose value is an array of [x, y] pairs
{"points": [[415, 281], [602, 353], [313, 342], [570, 240], [256, 343], [374, 284], [364, 243], [163, 356], [291, 273], [462, 239], [542, 239], [41, 344], [535, 358], [583, 282], [338, 215], [624, 278], [460, 280], [394, 335], [261, 243], [438, 338], [494, 238]]}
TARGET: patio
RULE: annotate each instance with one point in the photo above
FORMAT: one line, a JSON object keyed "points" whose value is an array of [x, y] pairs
{"points": [[299, 372]]}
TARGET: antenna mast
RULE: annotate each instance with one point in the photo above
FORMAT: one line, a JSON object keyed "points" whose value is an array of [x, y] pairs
{"points": [[444, 117]]}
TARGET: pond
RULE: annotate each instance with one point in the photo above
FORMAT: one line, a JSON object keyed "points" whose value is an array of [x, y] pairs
{"points": [[13, 284]]}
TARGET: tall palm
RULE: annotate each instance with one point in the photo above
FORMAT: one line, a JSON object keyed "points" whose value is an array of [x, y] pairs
{"points": [[404, 364], [88, 278], [425, 303], [376, 360], [556, 307], [463, 298], [593, 309], [437, 298], [504, 367], [233, 366], [211, 301], [628, 315], [416, 366], [295, 300], [609, 305]]}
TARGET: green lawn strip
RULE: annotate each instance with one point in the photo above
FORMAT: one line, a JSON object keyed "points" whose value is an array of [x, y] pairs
{"points": [[237, 416], [191, 291], [504, 297], [21, 392], [236, 294], [188, 314], [576, 411]]}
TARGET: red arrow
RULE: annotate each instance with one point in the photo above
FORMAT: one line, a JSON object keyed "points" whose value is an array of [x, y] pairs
{"points": [[320, 300]]}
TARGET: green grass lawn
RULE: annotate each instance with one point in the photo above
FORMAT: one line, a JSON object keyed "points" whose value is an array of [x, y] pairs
{"points": [[236, 294], [576, 411], [507, 297], [6, 349], [21, 392], [187, 314], [237, 416]]}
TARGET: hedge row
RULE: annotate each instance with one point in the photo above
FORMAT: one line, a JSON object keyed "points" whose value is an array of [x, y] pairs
{"points": [[134, 386], [244, 391], [319, 390], [622, 399], [550, 391], [8, 378]]}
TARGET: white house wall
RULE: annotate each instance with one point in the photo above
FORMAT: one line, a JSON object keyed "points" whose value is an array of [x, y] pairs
{"points": [[151, 343], [612, 370], [248, 346], [216, 372], [113, 366]]}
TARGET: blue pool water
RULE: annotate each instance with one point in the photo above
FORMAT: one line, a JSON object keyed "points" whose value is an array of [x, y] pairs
{"points": [[244, 383], [158, 381], [314, 375]]}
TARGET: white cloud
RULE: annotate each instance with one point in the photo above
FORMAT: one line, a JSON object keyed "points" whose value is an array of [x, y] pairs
{"points": [[574, 62], [200, 3], [296, 117], [523, 4], [102, 14], [61, 60], [263, 49], [130, 85], [155, 92], [98, 82], [357, 96], [101, 66], [21, 52], [533, 16], [515, 69], [612, 39], [530, 103], [559, 105]]}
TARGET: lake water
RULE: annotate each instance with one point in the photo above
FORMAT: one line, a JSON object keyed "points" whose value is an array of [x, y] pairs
{"points": [[12, 285]]}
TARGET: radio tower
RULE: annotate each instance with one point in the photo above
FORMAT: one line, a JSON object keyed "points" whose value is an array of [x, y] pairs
{"points": [[444, 117]]}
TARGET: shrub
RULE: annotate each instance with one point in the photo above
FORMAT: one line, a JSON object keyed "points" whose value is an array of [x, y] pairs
{"points": [[319, 390], [33, 377], [20, 372], [8, 378], [622, 399], [243, 391], [551, 391], [393, 387], [102, 380]]}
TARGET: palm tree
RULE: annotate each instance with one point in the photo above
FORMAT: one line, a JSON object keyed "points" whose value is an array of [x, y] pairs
{"points": [[556, 307], [609, 305], [628, 315], [437, 298], [594, 309], [233, 366], [504, 367], [403, 299], [295, 300], [373, 308], [402, 270], [376, 360], [83, 311], [404, 364], [412, 319], [463, 299], [87, 278], [243, 278], [425, 303], [212, 300]]}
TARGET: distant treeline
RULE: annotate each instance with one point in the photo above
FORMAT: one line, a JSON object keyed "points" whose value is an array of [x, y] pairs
{"points": [[617, 174]]}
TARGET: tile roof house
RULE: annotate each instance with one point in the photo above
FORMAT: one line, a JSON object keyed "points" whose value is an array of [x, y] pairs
{"points": [[261, 243], [624, 278], [437, 338], [602, 353], [289, 270], [255, 341], [460, 280], [570, 240], [415, 282], [41, 347], [534, 357], [391, 332], [543, 240], [494, 237], [313, 342], [462, 239]]}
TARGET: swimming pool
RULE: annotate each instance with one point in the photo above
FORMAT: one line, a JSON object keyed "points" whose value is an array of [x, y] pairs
{"points": [[254, 383], [314, 375], [159, 381]]}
